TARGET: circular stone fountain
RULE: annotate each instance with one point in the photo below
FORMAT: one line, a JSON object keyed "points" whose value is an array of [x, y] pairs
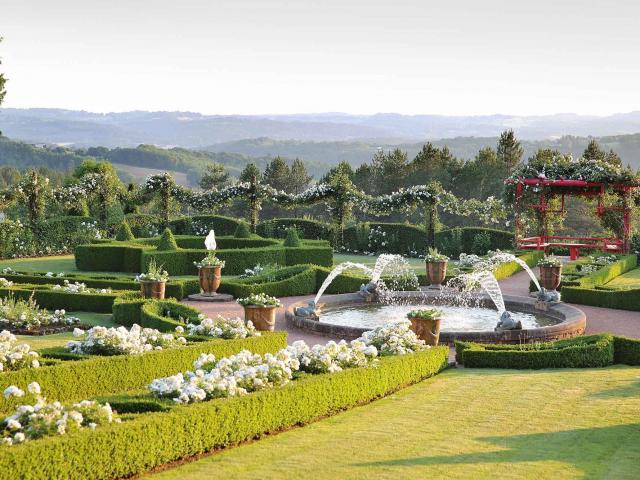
{"points": [[349, 315]]}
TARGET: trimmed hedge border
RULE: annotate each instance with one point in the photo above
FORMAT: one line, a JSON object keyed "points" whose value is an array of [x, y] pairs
{"points": [[581, 352], [135, 256], [74, 380], [175, 288], [153, 439], [46, 297], [159, 314]]}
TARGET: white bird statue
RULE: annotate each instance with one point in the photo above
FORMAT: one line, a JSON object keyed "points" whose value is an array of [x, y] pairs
{"points": [[210, 241]]}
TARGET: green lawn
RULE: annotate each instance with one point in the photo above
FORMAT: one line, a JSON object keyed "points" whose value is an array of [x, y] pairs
{"points": [[631, 279], [416, 263], [464, 423], [60, 339]]}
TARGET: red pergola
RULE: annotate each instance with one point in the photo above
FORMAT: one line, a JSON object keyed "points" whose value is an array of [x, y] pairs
{"points": [[549, 189]]}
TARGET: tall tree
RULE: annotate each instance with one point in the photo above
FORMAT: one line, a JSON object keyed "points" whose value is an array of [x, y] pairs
{"points": [[595, 152], [343, 168], [300, 177], [390, 170], [277, 174], [249, 171], [509, 151], [214, 177]]}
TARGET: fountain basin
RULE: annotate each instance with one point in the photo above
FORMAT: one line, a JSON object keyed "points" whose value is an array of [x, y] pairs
{"points": [[559, 321]]}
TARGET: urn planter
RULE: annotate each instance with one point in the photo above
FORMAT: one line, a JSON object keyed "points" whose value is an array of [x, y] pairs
{"points": [[209, 279], [436, 273], [263, 318], [426, 329], [152, 289], [550, 277]]}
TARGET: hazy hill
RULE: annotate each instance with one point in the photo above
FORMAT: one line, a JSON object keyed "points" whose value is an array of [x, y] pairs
{"points": [[194, 130]]}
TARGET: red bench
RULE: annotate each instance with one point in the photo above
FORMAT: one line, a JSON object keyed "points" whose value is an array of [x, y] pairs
{"points": [[574, 244]]}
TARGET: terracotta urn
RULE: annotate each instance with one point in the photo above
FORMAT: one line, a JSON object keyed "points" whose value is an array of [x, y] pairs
{"points": [[436, 273], [152, 289], [550, 277], [209, 279], [263, 318], [426, 329]]}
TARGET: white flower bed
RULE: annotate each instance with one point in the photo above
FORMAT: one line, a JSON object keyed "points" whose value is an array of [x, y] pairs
{"points": [[46, 419], [78, 287], [15, 356], [120, 341], [247, 372], [221, 327], [236, 375]]}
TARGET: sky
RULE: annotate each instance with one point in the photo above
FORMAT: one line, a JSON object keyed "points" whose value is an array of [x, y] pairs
{"points": [[454, 57]]}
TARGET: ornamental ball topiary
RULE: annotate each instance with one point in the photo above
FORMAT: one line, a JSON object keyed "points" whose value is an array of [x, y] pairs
{"points": [[124, 233], [292, 240], [242, 231], [167, 241]]}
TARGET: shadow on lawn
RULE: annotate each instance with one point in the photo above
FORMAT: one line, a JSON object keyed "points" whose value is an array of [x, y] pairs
{"points": [[589, 449], [631, 389]]}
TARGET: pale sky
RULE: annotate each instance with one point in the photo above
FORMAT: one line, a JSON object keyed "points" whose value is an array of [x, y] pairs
{"points": [[455, 57]]}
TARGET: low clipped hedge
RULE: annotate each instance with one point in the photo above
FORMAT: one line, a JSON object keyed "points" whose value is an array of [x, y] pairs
{"points": [[156, 438], [179, 288], [75, 380], [308, 229], [239, 254], [591, 289], [580, 352], [286, 282], [626, 350], [46, 297], [505, 270], [163, 315]]}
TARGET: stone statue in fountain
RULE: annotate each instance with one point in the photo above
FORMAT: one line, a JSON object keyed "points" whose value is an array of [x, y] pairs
{"points": [[369, 291], [548, 296], [308, 311], [507, 322]]}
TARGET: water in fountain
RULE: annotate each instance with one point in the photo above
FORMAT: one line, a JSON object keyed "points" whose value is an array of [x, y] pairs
{"points": [[504, 257], [462, 290], [396, 266], [337, 271]]}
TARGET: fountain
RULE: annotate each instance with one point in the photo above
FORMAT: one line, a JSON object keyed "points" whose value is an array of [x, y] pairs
{"points": [[349, 315]]}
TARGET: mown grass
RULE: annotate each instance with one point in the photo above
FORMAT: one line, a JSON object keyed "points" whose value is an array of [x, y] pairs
{"points": [[631, 279], [60, 339], [464, 423]]}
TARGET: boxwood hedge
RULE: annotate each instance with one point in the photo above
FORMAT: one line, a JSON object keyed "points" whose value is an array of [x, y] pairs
{"points": [[47, 297], [74, 380], [580, 352], [152, 439]]}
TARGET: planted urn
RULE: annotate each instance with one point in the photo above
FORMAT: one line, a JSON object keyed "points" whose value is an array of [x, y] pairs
{"points": [[153, 283], [550, 273], [426, 324], [436, 268], [209, 273], [260, 309]]}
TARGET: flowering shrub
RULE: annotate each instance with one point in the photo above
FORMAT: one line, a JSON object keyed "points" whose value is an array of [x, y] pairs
{"points": [[468, 260], [210, 261], [154, 273], [394, 339], [26, 314], [332, 357], [236, 375], [120, 341], [42, 419], [15, 356], [79, 287], [604, 259], [221, 327], [433, 255], [260, 270], [259, 300], [549, 262]]}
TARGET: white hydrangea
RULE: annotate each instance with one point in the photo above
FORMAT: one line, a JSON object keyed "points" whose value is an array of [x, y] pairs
{"points": [[15, 356], [221, 327], [393, 339]]}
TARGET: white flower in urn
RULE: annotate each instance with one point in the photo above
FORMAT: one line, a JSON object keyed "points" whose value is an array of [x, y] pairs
{"points": [[210, 241]]}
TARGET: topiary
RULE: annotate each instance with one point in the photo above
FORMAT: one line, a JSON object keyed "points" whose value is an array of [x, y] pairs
{"points": [[167, 241], [242, 231], [292, 240], [124, 233]]}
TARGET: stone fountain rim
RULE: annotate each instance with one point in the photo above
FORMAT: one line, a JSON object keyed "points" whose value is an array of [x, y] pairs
{"points": [[572, 320]]}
